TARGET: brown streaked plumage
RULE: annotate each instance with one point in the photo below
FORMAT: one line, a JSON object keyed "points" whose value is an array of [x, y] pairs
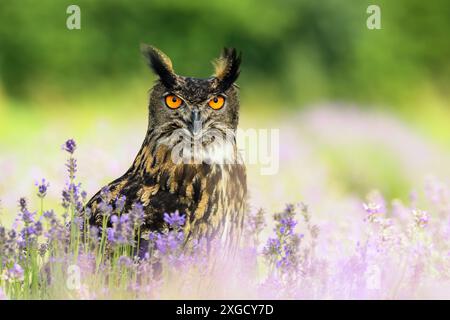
{"points": [[188, 160]]}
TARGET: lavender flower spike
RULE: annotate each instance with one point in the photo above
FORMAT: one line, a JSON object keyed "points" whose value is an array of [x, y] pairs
{"points": [[69, 146], [15, 273], [175, 220], [42, 188]]}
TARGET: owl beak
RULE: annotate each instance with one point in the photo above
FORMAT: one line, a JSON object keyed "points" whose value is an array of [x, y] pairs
{"points": [[196, 121]]}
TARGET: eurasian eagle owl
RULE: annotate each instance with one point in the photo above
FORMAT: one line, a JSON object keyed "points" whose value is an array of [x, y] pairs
{"points": [[189, 160]]}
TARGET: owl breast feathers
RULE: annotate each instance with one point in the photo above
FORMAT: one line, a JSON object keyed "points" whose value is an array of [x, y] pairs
{"points": [[189, 160]]}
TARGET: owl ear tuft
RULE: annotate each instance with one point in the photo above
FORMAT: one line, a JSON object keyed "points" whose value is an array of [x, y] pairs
{"points": [[226, 68], [160, 64]]}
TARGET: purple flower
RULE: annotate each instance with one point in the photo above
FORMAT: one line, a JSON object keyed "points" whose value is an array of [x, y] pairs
{"points": [[55, 231], [2, 234], [122, 231], [282, 250], [372, 208], [15, 273], [137, 215], [22, 204], [125, 261], [49, 214], [71, 196], [94, 233], [65, 196], [420, 217], [287, 225], [120, 203], [273, 247], [170, 242], [43, 247], [26, 216], [114, 219], [105, 209], [31, 229], [111, 235], [42, 188], [105, 194], [71, 166], [69, 146], [175, 220]]}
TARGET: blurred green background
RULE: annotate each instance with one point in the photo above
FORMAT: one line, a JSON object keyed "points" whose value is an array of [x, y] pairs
{"points": [[296, 54], [300, 50]]}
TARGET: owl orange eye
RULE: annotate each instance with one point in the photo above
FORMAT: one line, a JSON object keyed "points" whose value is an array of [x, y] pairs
{"points": [[173, 102], [217, 102]]}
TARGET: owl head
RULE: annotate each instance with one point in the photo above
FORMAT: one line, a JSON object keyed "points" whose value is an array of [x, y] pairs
{"points": [[183, 108]]}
